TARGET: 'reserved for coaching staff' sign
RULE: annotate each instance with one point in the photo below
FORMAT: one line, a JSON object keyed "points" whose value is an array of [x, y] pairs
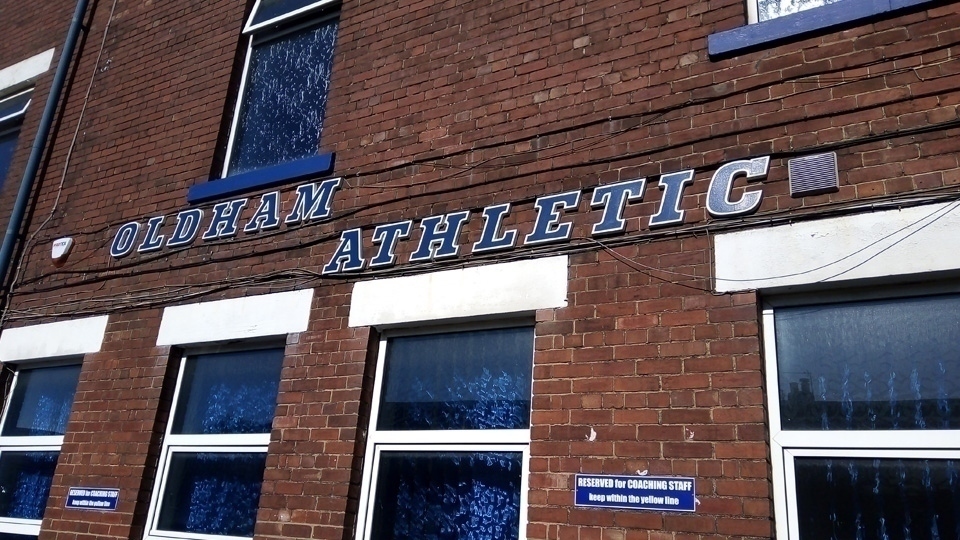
{"points": [[659, 493]]}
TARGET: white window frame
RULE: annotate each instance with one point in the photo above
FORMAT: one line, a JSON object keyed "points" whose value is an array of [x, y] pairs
{"points": [[250, 27], [786, 445], [43, 443], [753, 11], [263, 32], [472, 440], [253, 443], [14, 117]]}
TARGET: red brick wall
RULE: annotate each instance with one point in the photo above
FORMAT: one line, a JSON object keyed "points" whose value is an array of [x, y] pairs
{"points": [[443, 106]]}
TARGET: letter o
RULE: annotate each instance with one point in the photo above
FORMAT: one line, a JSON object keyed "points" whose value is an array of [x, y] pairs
{"points": [[125, 239]]}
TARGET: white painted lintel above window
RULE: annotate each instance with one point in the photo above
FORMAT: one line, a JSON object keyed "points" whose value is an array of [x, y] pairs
{"points": [[496, 289], [53, 340], [250, 317], [25, 70], [916, 240]]}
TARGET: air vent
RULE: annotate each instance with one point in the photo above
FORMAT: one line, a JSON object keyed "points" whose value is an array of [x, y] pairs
{"points": [[812, 175]]}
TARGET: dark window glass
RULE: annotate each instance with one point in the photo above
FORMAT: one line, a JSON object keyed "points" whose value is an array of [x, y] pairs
{"points": [[9, 536], [459, 380], [213, 493], [269, 9], [8, 143], [41, 401], [281, 115], [448, 495], [229, 393], [15, 105], [877, 498], [25, 479], [887, 364]]}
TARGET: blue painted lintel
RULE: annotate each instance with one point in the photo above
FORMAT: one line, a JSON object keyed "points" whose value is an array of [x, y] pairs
{"points": [[261, 178], [796, 25]]}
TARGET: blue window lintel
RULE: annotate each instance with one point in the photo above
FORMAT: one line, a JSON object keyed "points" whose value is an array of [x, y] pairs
{"points": [[265, 178], [751, 36]]}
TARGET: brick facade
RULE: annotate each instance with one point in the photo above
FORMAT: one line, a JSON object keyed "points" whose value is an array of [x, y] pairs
{"points": [[437, 107]]}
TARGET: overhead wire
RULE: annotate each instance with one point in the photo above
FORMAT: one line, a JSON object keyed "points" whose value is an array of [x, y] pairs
{"points": [[588, 142]]}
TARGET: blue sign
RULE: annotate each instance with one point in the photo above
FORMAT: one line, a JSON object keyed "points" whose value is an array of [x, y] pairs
{"points": [[93, 498], [660, 493]]}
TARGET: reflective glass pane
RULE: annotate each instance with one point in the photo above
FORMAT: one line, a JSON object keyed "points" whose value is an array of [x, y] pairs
{"points": [[25, 479], [448, 495], [15, 105], [8, 143], [913, 499], [281, 115], [212, 493], [229, 393], [269, 9], [41, 401], [10, 536], [771, 9], [459, 380], [887, 364]]}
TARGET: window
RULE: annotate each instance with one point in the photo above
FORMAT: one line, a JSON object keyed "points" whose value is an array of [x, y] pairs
{"points": [[215, 447], [864, 402], [449, 436], [776, 21], [34, 421], [12, 109], [283, 96], [764, 10]]}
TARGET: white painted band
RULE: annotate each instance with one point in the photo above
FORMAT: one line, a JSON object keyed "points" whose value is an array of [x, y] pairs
{"points": [[507, 288], [53, 340], [906, 241], [237, 318], [23, 71]]}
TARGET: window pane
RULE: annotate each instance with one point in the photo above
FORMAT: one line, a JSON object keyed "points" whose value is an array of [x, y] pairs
{"points": [[441, 495], [41, 401], [15, 105], [9, 536], [460, 380], [8, 143], [269, 9], [281, 115], [771, 9], [229, 393], [212, 493], [888, 364], [25, 479], [877, 498]]}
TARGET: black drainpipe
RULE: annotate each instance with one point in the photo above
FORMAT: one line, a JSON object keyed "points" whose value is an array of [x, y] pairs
{"points": [[36, 152]]}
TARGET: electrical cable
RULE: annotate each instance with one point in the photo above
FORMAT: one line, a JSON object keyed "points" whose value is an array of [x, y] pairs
{"points": [[602, 138]]}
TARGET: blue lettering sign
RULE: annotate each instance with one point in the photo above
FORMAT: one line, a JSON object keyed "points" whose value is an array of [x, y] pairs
{"points": [[658, 493], [313, 202], [154, 240], [439, 238], [672, 186], [225, 218], [721, 186], [268, 214], [188, 223], [387, 236], [613, 198], [548, 228], [349, 254], [123, 242], [491, 238]]}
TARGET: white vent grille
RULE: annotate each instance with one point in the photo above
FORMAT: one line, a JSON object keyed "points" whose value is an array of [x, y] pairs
{"points": [[811, 175]]}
